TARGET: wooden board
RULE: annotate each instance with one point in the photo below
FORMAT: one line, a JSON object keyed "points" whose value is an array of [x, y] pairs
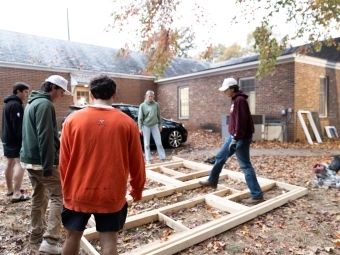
{"points": [[224, 198]]}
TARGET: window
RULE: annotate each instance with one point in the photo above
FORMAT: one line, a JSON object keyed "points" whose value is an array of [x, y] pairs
{"points": [[248, 87], [83, 97], [183, 102], [132, 111], [323, 99]]}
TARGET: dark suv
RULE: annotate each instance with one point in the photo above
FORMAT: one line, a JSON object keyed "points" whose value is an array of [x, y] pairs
{"points": [[173, 133]]}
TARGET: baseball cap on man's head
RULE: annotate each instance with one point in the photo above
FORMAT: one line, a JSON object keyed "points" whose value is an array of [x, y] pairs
{"points": [[227, 83], [60, 82]]}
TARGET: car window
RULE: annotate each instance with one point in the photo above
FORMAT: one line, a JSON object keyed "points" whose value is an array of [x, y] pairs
{"points": [[127, 111], [134, 112]]}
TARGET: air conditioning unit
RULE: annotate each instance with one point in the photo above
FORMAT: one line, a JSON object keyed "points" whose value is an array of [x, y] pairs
{"points": [[259, 121]]}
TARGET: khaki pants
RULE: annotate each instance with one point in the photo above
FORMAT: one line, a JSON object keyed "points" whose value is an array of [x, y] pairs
{"points": [[43, 191]]}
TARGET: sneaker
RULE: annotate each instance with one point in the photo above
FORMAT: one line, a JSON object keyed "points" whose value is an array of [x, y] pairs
{"points": [[148, 162], [208, 184], [253, 201], [163, 160], [50, 248]]}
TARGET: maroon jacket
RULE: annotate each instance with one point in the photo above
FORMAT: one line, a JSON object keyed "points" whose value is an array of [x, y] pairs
{"points": [[241, 124]]}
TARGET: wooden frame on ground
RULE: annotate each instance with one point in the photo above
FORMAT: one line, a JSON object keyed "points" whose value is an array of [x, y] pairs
{"points": [[224, 198]]}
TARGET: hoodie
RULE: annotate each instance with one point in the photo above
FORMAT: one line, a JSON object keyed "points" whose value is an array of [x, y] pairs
{"points": [[40, 142], [241, 124], [12, 116], [149, 114]]}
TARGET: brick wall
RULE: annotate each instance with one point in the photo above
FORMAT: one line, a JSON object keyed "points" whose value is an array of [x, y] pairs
{"points": [[294, 85], [34, 78], [307, 95], [207, 104], [130, 91]]}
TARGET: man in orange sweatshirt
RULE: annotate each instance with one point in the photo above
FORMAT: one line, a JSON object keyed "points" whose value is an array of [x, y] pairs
{"points": [[99, 152]]}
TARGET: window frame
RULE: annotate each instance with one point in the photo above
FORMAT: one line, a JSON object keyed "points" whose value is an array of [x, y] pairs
{"points": [[252, 105], [81, 90], [323, 81], [180, 104]]}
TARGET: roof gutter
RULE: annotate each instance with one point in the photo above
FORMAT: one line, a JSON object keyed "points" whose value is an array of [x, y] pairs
{"points": [[222, 70], [72, 70], [316, 61]]}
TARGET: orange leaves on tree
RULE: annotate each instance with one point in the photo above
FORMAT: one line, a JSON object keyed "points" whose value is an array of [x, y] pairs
{"points": [[159, 39]]}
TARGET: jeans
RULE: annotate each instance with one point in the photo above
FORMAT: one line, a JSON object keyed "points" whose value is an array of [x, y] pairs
{"points": [[43, 191], [158, 141], [243, 157]]}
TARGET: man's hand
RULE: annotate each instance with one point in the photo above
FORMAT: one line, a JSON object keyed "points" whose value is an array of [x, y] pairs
{"points": [[141, 131], [232, 146], [160, 128]]}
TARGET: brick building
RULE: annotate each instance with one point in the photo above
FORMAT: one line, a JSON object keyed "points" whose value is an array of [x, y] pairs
{"points": [[31, 59], [308, 83], [188, 92]]}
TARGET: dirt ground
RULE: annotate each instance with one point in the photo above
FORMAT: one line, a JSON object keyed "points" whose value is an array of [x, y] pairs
{"points": [[309, 225]]}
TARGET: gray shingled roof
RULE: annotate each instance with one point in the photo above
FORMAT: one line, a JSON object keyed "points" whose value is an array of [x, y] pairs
{"points": [[42, 51], [327, 53]]}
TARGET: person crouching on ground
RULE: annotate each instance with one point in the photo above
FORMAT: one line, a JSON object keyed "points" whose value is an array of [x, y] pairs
{"points": [[241, 129]]}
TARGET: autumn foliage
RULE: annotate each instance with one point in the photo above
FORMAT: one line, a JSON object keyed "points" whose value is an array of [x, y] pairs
{"points": [[159, 38]]}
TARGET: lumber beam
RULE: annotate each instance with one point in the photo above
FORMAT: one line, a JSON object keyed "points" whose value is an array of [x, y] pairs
{"points": [[224, 198], [179, 227]]}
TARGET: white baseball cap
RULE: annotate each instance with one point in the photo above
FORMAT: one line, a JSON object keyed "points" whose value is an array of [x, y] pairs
{"points": [[59, 81], [228, 82]]}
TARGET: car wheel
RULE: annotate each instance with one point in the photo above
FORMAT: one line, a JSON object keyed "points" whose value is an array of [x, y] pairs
{"points": [[175, 139]]}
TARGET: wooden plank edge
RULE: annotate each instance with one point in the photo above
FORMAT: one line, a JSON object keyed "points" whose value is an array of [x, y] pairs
{"points": [[87, 247], [177, 226], [221, 225]]}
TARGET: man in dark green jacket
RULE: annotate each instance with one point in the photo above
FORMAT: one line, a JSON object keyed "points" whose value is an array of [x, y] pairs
{"points": [[39, 155]]}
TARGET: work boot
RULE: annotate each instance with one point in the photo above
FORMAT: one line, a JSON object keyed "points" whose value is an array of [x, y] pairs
{"points": [[50, 248], [253, 201], [208, 184]]}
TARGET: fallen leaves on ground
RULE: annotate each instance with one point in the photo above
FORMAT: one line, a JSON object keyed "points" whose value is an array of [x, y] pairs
{"points": [[309, 225]]}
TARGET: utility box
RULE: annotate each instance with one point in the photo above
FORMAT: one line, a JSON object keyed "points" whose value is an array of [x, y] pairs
{"points": [[274, 131], [259, 121]]}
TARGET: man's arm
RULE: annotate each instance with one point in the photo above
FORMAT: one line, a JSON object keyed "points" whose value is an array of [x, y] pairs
{"points": [[16, 115], [45, 115], [137, 166], [64, 158], [140, 117], [241, 112]]}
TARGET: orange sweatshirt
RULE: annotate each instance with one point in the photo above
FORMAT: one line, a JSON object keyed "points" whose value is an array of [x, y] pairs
{"points": [[99, 149]]}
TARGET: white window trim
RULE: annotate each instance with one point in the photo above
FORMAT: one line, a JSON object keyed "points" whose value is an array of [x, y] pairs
{"points": [[326, 97], [249, 78], [179, 103], [81, 88]]}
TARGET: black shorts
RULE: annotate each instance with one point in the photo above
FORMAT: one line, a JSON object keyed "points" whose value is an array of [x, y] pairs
{"points": [[105, 222], [12, 151]]}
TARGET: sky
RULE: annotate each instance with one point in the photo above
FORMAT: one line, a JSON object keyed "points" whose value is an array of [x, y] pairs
{"points": [[85, 21]]}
